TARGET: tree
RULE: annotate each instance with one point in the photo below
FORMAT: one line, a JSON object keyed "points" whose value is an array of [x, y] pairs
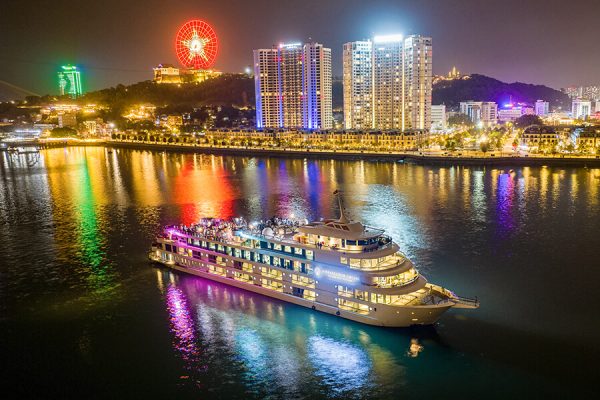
{"points": [[459, 119], [63, 132], [528, 119], [484, 146]]}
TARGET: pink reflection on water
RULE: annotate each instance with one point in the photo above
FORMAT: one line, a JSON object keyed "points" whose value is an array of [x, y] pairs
{"points": [[182, 326]]}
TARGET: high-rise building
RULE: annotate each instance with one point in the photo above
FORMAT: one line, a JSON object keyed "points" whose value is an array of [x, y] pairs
{"points": [[439, 120], [316, 85], [581, 109], [267, 85], [293, 86], [481, 113], [357, 82], [542, 108], [69, 81], [388, 82], [583, 92], [390, 77], [418, 81]]}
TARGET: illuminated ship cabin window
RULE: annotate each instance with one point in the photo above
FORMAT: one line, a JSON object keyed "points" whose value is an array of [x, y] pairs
{"points": [[309, 254], [238, 253], [288, 249], [257, 257], [298, 250], [247, 254], [355, 262], [212, 246], [266, 259], [276, 261], [297, 266], [343, 260]]}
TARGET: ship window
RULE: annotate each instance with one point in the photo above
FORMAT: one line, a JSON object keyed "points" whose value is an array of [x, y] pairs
{"points": [[351, 242], [355, 262], [257, 257], [307, 269], [343, 260], [309, 254], [238, 253], [276, 246], [288, 249], [297, 266], [266, 259], [276, 261], [298, 250], [248, 254]]}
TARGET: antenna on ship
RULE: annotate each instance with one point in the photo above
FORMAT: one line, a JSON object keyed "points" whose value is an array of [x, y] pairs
{"points": [[343, 219]]}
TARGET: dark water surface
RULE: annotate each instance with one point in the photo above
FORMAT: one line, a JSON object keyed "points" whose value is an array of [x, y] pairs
{"points": [[83, 314]]}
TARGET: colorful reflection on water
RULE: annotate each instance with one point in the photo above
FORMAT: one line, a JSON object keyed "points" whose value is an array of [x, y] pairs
{"points": [[76, 225]]}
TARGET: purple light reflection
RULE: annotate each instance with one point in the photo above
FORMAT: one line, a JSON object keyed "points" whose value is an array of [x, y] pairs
{"points": [[182, 327], [505, 202]]}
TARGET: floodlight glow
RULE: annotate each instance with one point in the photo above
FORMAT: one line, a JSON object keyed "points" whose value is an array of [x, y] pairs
{"points": [[388, 38]]}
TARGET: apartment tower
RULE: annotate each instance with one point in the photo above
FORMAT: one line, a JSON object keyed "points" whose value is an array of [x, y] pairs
{"points": [[293, 86]]}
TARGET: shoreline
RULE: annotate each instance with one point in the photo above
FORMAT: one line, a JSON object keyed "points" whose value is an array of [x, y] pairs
{"points": [[416, 158], [593, 161]]}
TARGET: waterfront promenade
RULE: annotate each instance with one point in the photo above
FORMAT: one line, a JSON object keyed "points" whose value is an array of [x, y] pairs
{"points": [[464, 157]]}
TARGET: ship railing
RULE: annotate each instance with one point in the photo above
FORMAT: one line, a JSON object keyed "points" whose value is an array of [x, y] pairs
{"points": [[467, 300], [400, 284]]}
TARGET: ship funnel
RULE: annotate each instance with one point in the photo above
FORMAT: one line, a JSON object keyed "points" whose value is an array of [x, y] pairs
{"points": [[343, 219]]}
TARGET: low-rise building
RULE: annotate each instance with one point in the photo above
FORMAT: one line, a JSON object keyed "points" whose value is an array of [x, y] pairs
{"points": [[588, 139], [67, 119], [439, 120], [542, 108], [349, 139], [481, 113], [537, 137], [581, 109]]}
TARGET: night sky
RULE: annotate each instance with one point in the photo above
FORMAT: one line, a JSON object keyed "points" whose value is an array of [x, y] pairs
{"points": [[552, 42]]}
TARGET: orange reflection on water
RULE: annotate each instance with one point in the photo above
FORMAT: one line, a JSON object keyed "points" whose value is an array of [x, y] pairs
{"points": [[203, 192]]}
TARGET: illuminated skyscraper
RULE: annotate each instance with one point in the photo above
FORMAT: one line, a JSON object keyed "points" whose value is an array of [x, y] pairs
{"points": [[388, 82], [69, 81], [395, 75], [293, 86], [357, 81], [418, 75]]}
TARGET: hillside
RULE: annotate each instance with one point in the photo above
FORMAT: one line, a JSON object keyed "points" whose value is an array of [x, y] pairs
{"points": [[484, 88], [228, 89], [238, 90]]}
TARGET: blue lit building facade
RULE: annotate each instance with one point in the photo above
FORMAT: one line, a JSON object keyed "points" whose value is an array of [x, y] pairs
{"points": [[293, 87]]}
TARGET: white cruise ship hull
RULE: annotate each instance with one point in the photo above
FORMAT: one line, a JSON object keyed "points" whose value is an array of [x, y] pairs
{"points": [[382, 315]]}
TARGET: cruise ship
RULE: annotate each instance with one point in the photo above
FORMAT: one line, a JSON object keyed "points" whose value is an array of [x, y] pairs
{"points": [[337, 266]]}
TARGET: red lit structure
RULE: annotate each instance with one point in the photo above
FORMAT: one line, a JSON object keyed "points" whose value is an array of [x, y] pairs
{"points": [[196, 45]]}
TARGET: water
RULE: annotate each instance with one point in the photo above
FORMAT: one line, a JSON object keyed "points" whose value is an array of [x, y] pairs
{"points": [[84, 314]]}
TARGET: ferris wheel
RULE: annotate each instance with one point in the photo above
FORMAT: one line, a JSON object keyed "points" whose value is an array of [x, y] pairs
{"points": [[196, 45]]}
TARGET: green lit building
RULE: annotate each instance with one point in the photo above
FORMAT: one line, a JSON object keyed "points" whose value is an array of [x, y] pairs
{"points": [[69, 81]]}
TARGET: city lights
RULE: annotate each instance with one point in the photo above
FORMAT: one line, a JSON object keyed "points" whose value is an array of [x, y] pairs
{"points": [[388, 38]]}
